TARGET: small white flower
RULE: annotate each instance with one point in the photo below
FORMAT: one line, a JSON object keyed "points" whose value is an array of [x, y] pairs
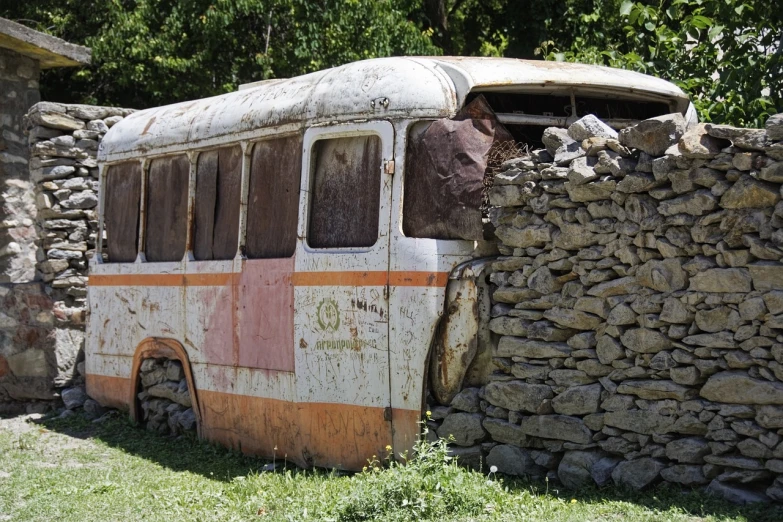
{"points": [[493, 469]]}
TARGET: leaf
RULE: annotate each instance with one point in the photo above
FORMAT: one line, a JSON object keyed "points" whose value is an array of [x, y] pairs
{"points": [[650, 26], [625, 8], [701, 22], [714, 32]]}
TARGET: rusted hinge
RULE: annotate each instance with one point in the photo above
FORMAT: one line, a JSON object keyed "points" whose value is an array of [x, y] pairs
{"points": [[387, 413], [388, 166]]}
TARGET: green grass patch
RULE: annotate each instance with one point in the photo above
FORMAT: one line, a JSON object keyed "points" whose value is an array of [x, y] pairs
{"points": [[74, 470]]}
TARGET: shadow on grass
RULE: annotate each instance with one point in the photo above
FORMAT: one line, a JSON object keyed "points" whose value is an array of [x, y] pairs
{"points": [[185, 453], [661, 498], [218, 463]]}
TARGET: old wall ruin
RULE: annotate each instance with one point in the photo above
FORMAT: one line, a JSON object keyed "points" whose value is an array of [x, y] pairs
{"points": [[43, 313], [639, 311]]}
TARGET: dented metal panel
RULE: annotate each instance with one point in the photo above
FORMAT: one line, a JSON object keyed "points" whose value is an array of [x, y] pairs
{"points": [[456, 341]]}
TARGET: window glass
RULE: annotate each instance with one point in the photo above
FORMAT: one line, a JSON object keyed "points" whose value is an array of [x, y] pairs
{"points": [[273, 198], [345, 192], [167, 208], [216, 216], [121, 215]]}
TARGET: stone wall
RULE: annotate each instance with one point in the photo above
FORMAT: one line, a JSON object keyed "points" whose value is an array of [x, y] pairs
{"points": [[164, 398], [54, 209], [639, 311], [19, 90]]}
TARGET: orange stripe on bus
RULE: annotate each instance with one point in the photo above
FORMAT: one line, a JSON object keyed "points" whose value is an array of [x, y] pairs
{"points": [[372, 278], [436, 279], [378, 278]]}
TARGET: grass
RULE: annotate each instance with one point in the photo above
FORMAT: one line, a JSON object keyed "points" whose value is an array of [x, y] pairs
{"points": [[74, 470]]}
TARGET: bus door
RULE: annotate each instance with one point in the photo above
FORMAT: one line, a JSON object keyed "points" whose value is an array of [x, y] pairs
{"points": [[341, 323]]}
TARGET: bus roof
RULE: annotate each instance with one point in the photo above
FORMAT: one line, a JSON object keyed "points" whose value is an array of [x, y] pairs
{"points": [[388, 88]]}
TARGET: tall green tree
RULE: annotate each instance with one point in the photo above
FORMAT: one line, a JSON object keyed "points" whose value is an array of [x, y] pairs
{"points": [[725, 53], [152, 52]]}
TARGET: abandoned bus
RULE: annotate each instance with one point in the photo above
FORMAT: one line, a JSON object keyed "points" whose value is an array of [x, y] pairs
{"points": [[311, 250]]}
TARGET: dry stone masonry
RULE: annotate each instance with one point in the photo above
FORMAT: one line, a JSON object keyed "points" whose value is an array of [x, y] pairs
{"points": [[53, 205], [164, 397], [63, 147], [639, 311]]}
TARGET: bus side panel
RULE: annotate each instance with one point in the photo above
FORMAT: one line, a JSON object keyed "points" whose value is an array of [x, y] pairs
{"points": [[304, 433], [105, 383], [265, 314], [210, 323], [414, 317]]}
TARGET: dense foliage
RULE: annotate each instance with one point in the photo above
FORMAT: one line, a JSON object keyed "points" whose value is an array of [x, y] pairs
{"points": [[152, 52], [725, 53]]}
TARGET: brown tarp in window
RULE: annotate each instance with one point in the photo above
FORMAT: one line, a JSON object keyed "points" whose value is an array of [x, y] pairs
{"points": [[121, 217], [444, 174], [167, 209], [273, 198], [346, 192], [218, 183]]}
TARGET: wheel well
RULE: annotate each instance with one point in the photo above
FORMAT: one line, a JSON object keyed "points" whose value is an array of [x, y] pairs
{"points": [[160, 348]]}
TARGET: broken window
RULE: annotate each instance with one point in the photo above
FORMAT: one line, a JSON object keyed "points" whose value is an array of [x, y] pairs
{"points": [[167, 208], [218, 183], [346, 192], [555, 108], [121, 214], [273, 198], [446, 165]]}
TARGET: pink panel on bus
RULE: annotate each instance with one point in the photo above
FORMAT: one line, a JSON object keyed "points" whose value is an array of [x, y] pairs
{"points": [[217, 304], [265, 314]]}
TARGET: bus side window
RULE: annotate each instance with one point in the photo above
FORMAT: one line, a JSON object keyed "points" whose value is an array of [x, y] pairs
{"points": [[273, 198], [121, 216], [216, 209], [346, 192], [167, 208]]}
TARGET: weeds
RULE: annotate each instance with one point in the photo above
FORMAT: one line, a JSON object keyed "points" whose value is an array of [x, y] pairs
{"points": [[429, 485], [83, 472]]}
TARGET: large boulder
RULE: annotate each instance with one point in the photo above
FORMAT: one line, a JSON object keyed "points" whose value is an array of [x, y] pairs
{"points": [[465, 428], [73, 397], [511, 460], [656, 390], [654, 135], [722, 280], [689, 450], [574, 468], [558, 427], [735, 494], [589, 127], [748, 192], [640, 421], [517, 395], [579, 400], [645, 340], [736, 387], [638, 474]]}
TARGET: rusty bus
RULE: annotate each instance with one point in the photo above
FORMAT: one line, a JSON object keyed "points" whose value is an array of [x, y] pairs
{"points": [[310, 249]]}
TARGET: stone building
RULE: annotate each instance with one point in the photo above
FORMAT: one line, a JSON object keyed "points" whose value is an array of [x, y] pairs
{"points": [[29, 363]]}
